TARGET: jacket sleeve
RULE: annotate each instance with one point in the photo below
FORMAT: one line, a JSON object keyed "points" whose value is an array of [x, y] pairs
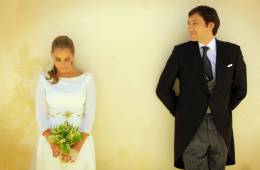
{"points": [[164, 88], [239, 84]]}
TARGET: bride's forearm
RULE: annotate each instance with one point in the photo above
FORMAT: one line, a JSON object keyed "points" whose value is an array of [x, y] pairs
{"points": [[77, 146], [46, 133]]}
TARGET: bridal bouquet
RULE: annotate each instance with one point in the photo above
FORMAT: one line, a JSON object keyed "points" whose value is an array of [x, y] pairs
{"points": [[64, 136]]}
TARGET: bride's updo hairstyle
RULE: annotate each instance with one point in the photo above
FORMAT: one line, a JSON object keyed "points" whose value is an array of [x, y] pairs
{"points": [[59, 42]]}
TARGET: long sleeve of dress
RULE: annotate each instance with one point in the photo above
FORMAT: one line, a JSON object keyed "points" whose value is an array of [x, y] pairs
{"points": [[90, 105], [41, 106]]}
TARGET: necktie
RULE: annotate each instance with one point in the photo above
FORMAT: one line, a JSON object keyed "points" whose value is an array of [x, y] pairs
{"points": [[207, 64]]}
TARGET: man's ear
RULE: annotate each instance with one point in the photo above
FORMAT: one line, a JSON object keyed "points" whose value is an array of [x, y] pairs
{"points": [[211, 25]]}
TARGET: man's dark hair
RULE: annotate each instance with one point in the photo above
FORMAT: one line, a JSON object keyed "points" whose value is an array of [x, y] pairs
{"points": [[208, 14]]}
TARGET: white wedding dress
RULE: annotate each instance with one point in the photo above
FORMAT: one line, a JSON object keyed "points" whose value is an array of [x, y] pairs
{"points": [[77, 96]]}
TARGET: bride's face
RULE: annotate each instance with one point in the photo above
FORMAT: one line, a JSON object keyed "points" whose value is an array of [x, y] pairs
{"points": [[62, 58]]}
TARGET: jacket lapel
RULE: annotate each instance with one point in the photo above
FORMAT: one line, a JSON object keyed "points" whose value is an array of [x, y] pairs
{"points": [[220, 64]]}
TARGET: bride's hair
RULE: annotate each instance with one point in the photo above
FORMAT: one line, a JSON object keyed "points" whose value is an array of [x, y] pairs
{"points": [[59, 42]]}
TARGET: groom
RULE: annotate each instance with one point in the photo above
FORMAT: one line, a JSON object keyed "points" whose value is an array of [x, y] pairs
{"points": [[212, 80]]}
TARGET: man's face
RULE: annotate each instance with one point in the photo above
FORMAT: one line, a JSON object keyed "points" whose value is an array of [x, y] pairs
{"points": [[198, 29]]}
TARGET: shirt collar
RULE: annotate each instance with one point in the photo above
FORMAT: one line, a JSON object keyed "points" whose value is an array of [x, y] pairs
{"points": [[211, 44]]}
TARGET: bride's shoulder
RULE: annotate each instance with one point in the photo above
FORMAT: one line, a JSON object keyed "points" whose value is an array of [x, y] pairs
{"points": [[43, 76], [88, 76]]}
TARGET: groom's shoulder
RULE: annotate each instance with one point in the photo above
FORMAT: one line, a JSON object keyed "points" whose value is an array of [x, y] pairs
{"points": [[185, 45], [228, 44]]}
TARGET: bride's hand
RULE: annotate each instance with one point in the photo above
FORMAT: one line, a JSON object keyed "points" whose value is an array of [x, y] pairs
{"points": [[65, 157], [73, 154]]}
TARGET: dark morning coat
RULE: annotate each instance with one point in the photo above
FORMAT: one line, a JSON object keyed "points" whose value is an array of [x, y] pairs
{"points": [[189, 108]]}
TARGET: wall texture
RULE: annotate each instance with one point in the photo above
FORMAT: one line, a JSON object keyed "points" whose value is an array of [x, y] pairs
{"points": [[125, 44]]}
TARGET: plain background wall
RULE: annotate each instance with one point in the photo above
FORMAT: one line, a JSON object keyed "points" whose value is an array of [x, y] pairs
{"points": [[125, 44]]}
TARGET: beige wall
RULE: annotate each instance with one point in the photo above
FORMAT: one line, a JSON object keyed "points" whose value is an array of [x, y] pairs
{"points": [[125, 44]]}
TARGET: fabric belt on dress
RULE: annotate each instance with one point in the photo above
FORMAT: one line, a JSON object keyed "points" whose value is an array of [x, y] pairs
{"points": [[67, 114]]}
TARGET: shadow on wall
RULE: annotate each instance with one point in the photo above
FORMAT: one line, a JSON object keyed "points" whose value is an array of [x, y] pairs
{"points": [[18, 125]]}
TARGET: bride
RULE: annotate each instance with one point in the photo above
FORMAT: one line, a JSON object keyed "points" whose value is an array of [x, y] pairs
{"points": [[60, 91]]}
